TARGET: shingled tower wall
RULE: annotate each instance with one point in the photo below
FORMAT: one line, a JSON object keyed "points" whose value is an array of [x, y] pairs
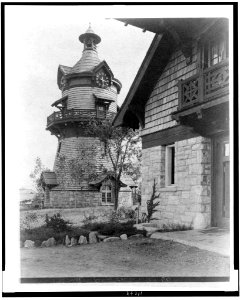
{"points": [[89, 89]]}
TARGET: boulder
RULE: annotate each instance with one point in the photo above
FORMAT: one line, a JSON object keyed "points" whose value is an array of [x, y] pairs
{"points": [[101, 237], [123, 237], [43, 244], [136, 236], [73, 241], [92, 237], [82, 240], [50, 242], [28, 244], [67, 240], [111, 239]]}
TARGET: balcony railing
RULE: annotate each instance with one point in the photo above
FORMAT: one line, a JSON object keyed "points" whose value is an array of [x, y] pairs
{"points": [[210, 84], [78, 114]]}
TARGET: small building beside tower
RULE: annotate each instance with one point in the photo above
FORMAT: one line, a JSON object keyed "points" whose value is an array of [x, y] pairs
{"points": [[89, 90]]}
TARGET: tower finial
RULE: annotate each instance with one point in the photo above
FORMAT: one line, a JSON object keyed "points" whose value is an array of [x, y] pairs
{"points": [[89, 38]]}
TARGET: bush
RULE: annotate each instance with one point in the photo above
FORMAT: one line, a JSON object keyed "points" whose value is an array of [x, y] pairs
{"points": [[28, 220], [175, 227], [126, 213], [114, 229], [88, 219], [57, 223], [43, 233]]}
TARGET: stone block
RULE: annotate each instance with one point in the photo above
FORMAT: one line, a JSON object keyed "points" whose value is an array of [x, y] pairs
{"points": [[67, 240], [50, 242], [82, 240], [123, 237], [73, 242], [92, 237], [111, 239], [136, 236], [29, 244]]}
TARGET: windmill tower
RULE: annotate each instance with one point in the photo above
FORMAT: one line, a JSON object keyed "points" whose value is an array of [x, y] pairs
{"points": [[89, 89]]}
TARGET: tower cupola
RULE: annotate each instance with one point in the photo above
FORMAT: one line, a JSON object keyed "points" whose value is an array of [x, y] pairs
{"points": [[89, 39]]}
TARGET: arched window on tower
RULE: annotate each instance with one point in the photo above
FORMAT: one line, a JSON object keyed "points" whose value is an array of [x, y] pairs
{"points": [[106, 194]]}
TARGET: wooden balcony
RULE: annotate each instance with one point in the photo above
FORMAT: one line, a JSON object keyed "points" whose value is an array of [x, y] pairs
{"points": [[211, 84], [75, 115], [203, 101]]}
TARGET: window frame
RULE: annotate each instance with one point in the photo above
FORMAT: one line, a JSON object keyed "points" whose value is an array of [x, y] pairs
{"points": [[106, 193], [170, 157]]}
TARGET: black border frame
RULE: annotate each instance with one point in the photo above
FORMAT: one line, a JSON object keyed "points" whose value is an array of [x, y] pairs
{"points": [[136, 279]]}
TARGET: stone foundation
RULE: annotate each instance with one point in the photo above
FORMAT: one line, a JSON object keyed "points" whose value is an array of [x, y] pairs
{"points": [[188, 201], [80, 198], [72, 199]]}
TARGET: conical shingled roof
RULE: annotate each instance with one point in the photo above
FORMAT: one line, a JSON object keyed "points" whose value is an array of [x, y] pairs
{"points": [[89, 58], [88, 61]]}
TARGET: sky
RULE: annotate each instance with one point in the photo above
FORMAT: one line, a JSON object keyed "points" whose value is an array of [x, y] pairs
{"points": [[38, 39]]}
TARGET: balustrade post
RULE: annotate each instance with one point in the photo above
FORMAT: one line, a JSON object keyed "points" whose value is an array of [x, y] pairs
{"points": [[201, 86]]}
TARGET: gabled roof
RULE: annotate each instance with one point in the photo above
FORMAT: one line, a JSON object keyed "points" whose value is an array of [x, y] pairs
{"points": [[49, 178], [103, 177], [104, 65]]}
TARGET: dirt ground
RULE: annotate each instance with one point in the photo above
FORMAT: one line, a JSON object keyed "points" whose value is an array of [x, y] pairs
{"points": [[142, 257]]}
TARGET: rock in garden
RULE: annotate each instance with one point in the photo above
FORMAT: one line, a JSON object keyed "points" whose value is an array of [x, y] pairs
{"points": [[73, 241], [123, 237], [50, 242], [43, 244], [82, 240], [67, 240], [102, 237], [111, 239], [28, 244], [136, 236], [92, 237]]}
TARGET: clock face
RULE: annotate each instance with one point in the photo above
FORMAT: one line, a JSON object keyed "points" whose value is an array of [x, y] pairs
{"points": [[102, 79]]}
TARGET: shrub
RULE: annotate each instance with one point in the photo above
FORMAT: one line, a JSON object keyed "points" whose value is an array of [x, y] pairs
{"points": [[113, 229], [114, 217], [126, 213], [175, 227], [151, 205], [28, 220], [90, 218], [43, 233], [57, 223]]}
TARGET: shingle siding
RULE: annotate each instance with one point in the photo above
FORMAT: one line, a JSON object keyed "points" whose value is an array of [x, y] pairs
{"points": [[163, 100]]}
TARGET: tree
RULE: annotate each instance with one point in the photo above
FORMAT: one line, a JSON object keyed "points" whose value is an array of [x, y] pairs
{"points": [[120, 146], [36, 175]]}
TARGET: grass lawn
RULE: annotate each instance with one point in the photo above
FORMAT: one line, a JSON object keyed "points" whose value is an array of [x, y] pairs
{"points": [[142, 257]]}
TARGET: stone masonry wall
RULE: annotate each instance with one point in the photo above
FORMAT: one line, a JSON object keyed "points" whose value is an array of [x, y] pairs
{"points": [[188, 201], [72, 199]]}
